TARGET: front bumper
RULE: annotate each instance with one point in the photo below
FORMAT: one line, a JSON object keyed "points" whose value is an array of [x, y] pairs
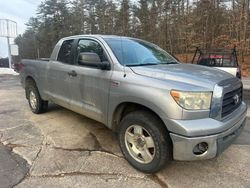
{"points": [[183, 145]]}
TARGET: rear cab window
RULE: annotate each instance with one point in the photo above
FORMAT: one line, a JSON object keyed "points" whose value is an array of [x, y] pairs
{"points": [[65, 52]]}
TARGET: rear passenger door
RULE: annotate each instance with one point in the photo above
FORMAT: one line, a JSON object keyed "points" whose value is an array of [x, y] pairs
{"points": [[58, 74], [90, 89]]}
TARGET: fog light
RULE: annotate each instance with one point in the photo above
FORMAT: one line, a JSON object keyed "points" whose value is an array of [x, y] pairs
{"points": [[200, 148]]}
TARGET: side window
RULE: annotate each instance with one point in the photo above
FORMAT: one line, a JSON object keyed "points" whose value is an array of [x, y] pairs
{"points": [[64, 52], [87, 45]]}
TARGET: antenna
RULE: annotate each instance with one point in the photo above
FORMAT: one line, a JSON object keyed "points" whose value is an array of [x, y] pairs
{"points": [[124, 65], [124, 70]]}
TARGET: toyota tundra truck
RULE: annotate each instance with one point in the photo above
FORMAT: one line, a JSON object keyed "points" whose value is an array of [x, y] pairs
{"points": [[160, 108]]}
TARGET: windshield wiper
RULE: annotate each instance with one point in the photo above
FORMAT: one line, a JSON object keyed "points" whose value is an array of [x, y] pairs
{"points": [[169, 63], [148, 64], [141, 64]]}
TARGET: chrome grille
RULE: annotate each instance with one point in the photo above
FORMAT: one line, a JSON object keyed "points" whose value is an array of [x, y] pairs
{"points": [[230, 102]]}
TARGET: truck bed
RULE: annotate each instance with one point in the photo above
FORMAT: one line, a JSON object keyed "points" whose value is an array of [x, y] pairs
{"points": [[35, 68]]}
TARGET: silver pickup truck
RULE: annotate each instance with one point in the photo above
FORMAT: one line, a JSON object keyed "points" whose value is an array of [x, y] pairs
{"points": [[161, 109]]}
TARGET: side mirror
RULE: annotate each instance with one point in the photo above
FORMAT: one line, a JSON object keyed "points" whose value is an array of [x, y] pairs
{"points": [[92, 60]]}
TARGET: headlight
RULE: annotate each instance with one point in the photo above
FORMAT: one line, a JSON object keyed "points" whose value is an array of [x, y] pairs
{"points": [[192, 100]]}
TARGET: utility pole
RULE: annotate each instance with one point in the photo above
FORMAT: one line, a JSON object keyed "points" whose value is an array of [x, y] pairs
{"points": [[8, 43]]}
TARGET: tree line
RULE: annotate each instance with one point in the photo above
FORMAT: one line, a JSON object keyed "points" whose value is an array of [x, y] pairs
{"points": [[177, 26]]}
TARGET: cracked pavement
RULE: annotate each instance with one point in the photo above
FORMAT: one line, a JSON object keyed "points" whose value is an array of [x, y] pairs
{"points": [[61, 148]]}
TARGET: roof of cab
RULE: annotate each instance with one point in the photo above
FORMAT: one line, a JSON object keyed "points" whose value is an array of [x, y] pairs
{"points": [[94, 36]]}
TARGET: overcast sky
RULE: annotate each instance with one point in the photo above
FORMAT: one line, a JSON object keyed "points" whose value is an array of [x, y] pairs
{"points": [[19, 11]]}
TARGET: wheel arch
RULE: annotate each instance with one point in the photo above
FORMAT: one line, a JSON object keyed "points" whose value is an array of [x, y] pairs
{"points": [[28, 79], [126, 107]]}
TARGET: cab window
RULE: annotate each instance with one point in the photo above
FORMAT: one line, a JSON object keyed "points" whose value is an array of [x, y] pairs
{"points": [[64, 54], [87, 45]]}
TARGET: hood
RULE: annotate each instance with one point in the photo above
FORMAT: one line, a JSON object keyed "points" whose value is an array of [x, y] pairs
{"points": [[196, 75]]}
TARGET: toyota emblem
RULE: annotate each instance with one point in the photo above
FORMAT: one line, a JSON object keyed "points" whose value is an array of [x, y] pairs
{"points": [[236, 99]]}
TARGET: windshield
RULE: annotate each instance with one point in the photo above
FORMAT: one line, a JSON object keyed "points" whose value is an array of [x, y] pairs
{"points": [[133, 52]]}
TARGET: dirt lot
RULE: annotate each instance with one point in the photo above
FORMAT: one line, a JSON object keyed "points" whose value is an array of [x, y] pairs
{"points": [[63, 149]]}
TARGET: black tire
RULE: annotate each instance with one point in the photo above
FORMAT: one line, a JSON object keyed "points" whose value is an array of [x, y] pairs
{"points": [[159, 134], [41, 105]]}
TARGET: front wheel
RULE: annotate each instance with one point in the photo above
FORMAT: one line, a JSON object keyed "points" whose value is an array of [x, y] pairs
{"points": [[145, 141]]}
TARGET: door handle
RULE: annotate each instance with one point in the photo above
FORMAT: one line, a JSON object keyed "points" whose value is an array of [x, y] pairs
{"points": [[72, 73]]}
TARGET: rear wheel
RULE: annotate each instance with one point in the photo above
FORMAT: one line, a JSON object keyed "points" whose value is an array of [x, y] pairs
{"points": [[37, 105], [145, 141]]}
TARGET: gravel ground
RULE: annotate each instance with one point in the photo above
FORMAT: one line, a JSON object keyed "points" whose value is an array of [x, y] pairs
{"points": [[61, 148]]}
